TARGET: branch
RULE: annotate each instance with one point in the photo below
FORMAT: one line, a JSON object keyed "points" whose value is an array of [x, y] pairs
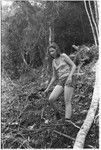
{"points": [[74, 124], [22, 54], [62, 134], [75, 47]]}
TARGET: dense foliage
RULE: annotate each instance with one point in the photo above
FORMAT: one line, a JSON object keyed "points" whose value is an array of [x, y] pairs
{"points": [[25, 32], [27, 120]]}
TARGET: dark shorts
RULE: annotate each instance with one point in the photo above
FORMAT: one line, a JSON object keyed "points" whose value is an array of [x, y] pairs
{"points": [[62, 82]]}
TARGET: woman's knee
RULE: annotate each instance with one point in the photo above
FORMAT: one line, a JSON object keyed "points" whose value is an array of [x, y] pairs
{"points": [[52, 98], [55, 93]]}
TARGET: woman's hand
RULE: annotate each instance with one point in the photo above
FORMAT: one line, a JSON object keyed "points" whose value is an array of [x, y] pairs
{"points": [[69, 80]]}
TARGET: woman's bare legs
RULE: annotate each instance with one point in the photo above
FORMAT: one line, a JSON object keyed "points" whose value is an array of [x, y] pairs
{"points": [[54, 95], [68, 92]]}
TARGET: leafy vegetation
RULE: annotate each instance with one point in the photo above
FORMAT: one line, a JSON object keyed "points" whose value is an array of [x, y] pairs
{"points": [[25, 32], [27, 120]]}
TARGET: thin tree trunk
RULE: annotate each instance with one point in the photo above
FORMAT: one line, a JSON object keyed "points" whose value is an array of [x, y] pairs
{"points": [[80, 139], [96, 11], [53, 34], [50, 35], [90, 23], [93, 19]]}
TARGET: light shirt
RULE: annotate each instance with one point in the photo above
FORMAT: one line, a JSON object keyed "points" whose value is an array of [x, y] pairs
{"points": [[63, 69]]}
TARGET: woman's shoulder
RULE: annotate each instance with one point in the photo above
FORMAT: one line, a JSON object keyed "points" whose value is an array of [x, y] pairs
{"points": [[64, 55]]}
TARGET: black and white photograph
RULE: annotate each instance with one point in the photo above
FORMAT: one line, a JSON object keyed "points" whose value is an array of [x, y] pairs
{"points": [[50, 74]]}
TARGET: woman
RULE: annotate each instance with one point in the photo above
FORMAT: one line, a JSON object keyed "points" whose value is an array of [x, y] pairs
{"points": [[63, 69]]}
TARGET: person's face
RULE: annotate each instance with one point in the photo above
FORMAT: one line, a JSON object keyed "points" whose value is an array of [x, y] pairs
{"points": [[52, 52]]}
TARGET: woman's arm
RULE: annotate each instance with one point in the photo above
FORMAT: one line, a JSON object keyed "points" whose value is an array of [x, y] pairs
{"points": [[52, 79]]}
